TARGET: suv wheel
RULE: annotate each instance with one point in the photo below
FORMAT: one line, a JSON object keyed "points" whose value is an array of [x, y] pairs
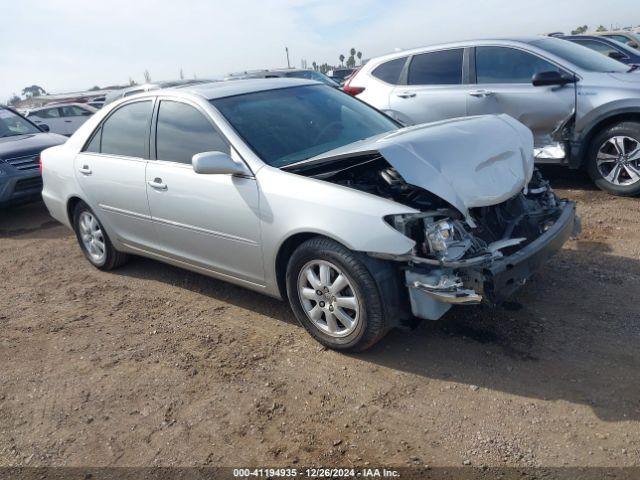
{"points": [[334, 296], [94, 241], [614, 159]]}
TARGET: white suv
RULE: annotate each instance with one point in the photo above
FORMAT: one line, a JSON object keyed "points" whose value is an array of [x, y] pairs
{"points": [[582, 107]]}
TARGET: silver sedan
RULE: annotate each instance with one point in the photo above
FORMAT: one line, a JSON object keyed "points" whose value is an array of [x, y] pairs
{"points": [[299, 191]]}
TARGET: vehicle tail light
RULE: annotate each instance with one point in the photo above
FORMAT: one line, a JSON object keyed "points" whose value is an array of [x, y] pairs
{"points": [[39, 158], [347, 88]]}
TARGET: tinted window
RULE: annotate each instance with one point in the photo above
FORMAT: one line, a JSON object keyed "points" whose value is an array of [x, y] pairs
{"points": [[508, 65], [436, 68], [183, 131], [598, 46], [125, 131], [390, 71], [94, 144], [581, 57], [619, 38], [287, 125]]}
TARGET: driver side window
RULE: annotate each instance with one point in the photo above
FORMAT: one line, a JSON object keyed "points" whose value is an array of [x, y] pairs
{"points": [[509, 65]]}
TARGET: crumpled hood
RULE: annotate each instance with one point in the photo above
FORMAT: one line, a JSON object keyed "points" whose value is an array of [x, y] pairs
{"points": [[469, 162]]}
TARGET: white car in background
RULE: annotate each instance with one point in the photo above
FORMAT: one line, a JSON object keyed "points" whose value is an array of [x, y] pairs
{"points": [[62, 119]]}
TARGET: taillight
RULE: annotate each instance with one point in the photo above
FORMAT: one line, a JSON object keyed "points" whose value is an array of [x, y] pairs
{"points": [[40, 164], [347, 88]]}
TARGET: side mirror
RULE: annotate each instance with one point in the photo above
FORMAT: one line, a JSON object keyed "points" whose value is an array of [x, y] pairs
{"points": [[44, 127], [543, 79], [616, 55], [217, 163], [633, 44]]}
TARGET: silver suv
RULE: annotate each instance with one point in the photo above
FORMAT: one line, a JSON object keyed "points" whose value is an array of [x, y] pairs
{"points": [[583, 108]]}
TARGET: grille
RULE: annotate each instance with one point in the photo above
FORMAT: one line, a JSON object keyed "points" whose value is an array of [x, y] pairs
{"points": [[28, 184], [27, 162]]}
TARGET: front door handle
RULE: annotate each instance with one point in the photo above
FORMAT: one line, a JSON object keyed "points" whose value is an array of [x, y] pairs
{"points": [[157, 184], [481, 93], [67, 121], [85, 170], [406, 95]]}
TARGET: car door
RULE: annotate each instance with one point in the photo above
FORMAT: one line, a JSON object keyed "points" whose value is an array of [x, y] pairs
{"points": [[432, 88], [503, 85], [210, 221], [51, 117], [111, 172], [74, 116]]}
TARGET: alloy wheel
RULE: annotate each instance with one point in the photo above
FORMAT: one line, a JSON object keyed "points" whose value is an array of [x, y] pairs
{"points": [[618, 160], [328, 298], [92, 237]]}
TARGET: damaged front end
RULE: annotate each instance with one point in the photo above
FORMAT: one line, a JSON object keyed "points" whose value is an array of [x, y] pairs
{"points": [[455, 263], [485, 218]]}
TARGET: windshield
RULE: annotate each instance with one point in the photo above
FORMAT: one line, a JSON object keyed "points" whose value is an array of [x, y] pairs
{"points": [[311, 75], [287, 125], [581, 57], [12, 124]]}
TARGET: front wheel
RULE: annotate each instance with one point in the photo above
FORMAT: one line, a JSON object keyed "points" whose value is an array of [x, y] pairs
{"points": [[614, 159], [334, 296]]}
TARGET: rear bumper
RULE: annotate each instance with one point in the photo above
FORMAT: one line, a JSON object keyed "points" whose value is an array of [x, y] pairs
{"points": [[20, 188], [503, 277]]}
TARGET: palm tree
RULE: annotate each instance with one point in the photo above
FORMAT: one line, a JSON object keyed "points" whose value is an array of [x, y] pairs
{"points": [[314, 65], [359, 55], [352, 51], [341, 57]]}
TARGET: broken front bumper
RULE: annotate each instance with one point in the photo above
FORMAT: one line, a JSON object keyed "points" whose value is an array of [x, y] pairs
{"points": [[433, 292]]}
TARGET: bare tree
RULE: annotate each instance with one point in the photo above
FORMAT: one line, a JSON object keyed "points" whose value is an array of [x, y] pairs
{"points": [[147, 76]]}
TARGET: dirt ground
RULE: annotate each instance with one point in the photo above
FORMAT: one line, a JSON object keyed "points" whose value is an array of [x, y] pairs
{"points": [[153, 365]]}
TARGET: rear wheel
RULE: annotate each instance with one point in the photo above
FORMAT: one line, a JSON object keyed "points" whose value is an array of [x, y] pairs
{"points": [[94, 241], [334, 296], [614, 159]]}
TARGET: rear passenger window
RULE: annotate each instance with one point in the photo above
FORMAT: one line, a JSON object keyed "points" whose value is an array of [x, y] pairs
{"points": [[509, 65], [436, 68], [390, 71], [182, 131], [125, 131]]}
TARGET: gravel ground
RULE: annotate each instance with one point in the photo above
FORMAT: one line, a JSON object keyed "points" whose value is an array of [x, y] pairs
{"points": [[153, 365]]}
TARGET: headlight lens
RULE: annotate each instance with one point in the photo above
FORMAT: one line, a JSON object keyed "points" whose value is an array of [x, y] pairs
{"points": [[439, 236]]}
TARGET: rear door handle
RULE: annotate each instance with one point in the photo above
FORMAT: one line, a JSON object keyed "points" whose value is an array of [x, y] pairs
{"points": [[85, 170], [406, 95], [481, 93], [157, 184], [67, 121]]}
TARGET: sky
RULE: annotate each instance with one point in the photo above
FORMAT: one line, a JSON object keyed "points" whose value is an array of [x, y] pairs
{"points": [[70, 45]]}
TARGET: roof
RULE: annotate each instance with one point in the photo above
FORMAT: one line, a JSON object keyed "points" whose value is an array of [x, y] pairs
{"points": [[461, 44], [214, 90]]}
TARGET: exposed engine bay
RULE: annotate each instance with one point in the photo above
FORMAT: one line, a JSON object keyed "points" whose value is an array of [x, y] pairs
{"points": [[441, 233], [453, 257]]}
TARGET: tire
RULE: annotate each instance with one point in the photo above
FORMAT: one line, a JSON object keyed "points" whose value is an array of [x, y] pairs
{"points": [[621, 182], [369, 320], [110, 257]]}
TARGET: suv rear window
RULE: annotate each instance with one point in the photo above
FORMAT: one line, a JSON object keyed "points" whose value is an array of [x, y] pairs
{"points": [[390, 71], [436, 68]]}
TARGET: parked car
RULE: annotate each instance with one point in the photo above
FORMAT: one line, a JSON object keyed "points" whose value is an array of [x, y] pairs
{"points": [[285, 73], [608, 47], [296, 190], [631, 39], [340, 75], [62, 119], [114, 95], [21, 142], [583, 108]]}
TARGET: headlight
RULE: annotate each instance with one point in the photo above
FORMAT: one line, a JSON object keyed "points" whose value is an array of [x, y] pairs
{"points": [[439, 236], [446, 241]]}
